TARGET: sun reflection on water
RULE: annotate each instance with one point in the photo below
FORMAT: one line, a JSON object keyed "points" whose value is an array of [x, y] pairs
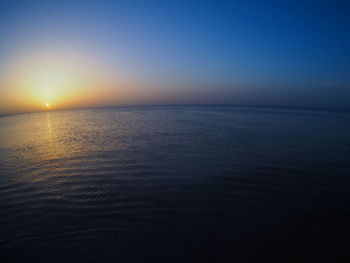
{"points": [[49, 128]]}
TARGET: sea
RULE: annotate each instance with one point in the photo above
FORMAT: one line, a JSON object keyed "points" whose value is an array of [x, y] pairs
{"points": [[175, 184]]}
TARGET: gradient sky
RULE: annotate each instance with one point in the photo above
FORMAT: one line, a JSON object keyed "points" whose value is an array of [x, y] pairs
{"points": [[106, 53]]}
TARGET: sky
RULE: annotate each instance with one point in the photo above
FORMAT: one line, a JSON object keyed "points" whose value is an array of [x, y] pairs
{"points": [[71, 54]]}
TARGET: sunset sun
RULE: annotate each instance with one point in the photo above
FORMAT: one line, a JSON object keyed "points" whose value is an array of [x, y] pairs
{"points": [[49, 80], [53, 83]]}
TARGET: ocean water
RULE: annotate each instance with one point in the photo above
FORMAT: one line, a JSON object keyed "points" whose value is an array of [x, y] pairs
{"points": [[175, 184]]}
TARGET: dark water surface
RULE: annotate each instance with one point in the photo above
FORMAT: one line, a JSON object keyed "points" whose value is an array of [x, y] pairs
{"points": [[175, 184]]}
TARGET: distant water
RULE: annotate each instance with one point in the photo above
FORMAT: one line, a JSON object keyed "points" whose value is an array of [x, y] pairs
{"points": [[175, 184]]}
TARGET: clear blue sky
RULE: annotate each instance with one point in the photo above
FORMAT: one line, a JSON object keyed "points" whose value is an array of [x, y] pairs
{"points": [[294, 53]]}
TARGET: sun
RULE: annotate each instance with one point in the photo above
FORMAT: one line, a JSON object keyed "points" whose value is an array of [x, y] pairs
{"points": [[53, 83]]}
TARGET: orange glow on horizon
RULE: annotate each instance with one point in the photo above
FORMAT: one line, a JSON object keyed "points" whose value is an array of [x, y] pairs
{"points": [[40, 80], [51, 80]]}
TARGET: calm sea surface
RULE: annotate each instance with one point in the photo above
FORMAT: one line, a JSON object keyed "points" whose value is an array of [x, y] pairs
{"points": [[175, 184]]}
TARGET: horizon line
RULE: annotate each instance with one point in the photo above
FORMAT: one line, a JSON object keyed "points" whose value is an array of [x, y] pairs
{"points": [[185, 105]]}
